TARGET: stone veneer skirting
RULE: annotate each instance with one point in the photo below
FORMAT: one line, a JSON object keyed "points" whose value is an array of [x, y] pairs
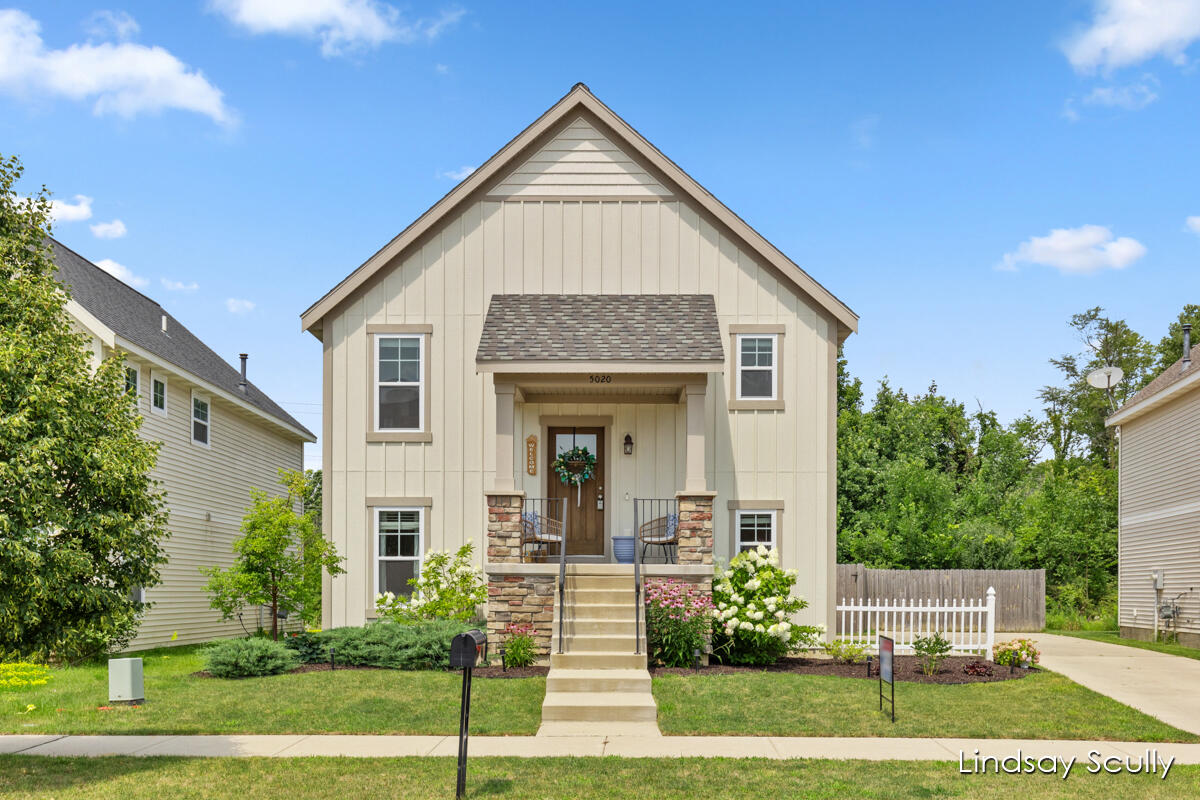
{"points": [[521, 600]]}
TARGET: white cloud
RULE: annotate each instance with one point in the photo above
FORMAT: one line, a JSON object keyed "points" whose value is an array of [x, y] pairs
{"points": [[179, 286], [112, 25], [862, 131], [67, 211], [125, 79], [1193, 224], [1131, 97], [342, 26], [108, 230], [121, 272], [1125, 32], [1076, 251], [441, 69], [238, 306], [457, 174]]}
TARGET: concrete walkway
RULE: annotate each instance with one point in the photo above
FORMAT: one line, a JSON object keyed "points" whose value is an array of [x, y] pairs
{"points": [[1163, 686], [881, 749]]}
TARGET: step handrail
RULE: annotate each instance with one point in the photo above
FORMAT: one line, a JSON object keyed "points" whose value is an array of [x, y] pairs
{"points": [[562, 574]]}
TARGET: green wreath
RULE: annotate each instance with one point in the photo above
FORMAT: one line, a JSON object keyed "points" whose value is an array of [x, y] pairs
{"points": [[574, 466]]}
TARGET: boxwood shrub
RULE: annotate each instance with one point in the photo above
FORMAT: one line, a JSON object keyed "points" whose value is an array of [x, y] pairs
{"points": [[247, 658], [393, 645]]}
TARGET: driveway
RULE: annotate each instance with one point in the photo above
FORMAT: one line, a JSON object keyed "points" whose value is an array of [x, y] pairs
{"points": [[1167, 687]]}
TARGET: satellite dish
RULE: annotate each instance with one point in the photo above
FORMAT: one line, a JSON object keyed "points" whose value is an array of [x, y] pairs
{"points": [[1105, 377]]}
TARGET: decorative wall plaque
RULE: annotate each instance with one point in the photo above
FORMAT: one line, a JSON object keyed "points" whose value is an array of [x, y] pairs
{"points": [[531, 454]]}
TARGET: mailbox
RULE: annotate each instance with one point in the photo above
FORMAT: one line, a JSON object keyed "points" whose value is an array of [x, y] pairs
{"points": [[465, 649]]}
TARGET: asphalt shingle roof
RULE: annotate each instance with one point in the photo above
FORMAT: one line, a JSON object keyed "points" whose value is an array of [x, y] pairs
{"points": [[601, 327], [136, 318], [1168, 377]]}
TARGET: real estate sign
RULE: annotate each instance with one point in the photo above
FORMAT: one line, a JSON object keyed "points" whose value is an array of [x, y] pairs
{"points": [[887, 650]]}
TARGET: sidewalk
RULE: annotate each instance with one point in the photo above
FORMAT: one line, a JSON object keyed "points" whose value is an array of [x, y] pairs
{"points": [[880, 749]]}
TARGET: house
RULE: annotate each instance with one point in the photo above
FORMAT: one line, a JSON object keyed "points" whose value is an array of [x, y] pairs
{"points": [[578, 290], [220, 437], [1158, 571]]}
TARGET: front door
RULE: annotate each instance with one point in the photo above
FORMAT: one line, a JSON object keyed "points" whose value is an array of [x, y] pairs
{"points": [[585, 503]]}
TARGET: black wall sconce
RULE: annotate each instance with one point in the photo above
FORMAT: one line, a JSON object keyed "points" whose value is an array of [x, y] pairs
{"points": [[628, 444]]}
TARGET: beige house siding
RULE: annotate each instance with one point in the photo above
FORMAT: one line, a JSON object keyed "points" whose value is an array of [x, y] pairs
{"points": [[1160, 513]]}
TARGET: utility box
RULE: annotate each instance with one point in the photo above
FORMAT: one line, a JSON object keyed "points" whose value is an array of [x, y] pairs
{"points": [[466, 648], [125, 681], [1157, 579]]}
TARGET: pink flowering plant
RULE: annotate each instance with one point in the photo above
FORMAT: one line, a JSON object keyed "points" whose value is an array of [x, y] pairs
{"points": [[1018, 651], [520, 648], [678, 622], [754, 611]]}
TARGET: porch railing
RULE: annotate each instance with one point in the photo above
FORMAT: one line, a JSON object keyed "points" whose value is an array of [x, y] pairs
{"points": [[655, 524], [543, 527]]}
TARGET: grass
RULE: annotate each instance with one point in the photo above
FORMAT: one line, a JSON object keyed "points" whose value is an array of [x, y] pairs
{"points": [[131, 778], [350, 701], [1044, 705], [1114, 637]]}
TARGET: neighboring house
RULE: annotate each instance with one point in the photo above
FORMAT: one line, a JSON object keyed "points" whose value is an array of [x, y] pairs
{"points": [[1159, 511], [580, 289], [220, 437]]}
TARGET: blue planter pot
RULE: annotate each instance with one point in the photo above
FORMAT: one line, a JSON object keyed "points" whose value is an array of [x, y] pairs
{"points": [[623, 549]]}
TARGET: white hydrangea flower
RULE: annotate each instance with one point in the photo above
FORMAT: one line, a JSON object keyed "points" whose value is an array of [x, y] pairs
{"points": [[759, 628], [779, 615], [761, 550], [752, 584], [746, 626]]}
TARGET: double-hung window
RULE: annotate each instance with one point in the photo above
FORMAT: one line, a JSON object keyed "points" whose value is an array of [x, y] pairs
{"points": [[398, 549], [201, 420], [756, 528], [158, 394], [400, 382], [757, 367], [132, 375]]}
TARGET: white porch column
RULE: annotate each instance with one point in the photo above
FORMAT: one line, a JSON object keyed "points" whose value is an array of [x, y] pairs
{"points": [[694, 479], [505, 406]]}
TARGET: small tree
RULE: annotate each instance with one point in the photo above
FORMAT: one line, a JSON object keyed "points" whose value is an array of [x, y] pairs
{"points": [[273, 559]]}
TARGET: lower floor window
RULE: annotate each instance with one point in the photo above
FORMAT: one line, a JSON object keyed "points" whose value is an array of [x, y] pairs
{"points": [[755, 528], [398, 554]]}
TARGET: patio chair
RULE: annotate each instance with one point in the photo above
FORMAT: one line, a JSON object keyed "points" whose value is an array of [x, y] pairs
{"points": [[661, 532], [538, 533]]}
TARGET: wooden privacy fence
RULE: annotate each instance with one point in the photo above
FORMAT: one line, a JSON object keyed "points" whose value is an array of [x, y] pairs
{"points": [[1020, 593], [968, 624]]}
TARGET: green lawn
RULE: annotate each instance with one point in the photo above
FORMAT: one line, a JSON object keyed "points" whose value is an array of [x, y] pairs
{"points": [[1114, 637], [1044, 705], [129, 778], [350, 701]]}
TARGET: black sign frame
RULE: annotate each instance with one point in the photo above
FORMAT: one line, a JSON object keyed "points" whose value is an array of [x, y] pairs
{"points": [[887, 671]]}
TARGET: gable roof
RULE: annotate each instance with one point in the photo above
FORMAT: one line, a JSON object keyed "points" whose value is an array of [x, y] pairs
{"points": [[580, 98], [601, 327], [1167, 385], [137, 320]]}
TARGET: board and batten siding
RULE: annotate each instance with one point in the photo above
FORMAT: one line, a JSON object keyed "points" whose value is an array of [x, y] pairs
{"points": [[207, 495], [640, 246], [1160, 513]]}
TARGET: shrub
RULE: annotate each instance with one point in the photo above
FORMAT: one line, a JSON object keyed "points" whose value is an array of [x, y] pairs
{"points": [[846, 651], [1016, 652], [678, 620], [520, 648], [977, 668], [23, 675], [932, 651], [421, 645], [754, 607], [308, 646], [247, 658], [449, 587]]}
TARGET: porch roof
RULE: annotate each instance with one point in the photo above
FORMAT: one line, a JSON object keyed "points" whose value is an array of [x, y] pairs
{"points": [[611, 329]]}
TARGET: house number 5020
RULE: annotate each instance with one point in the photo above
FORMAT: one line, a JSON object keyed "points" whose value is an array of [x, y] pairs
{"points": [[600, 378]]}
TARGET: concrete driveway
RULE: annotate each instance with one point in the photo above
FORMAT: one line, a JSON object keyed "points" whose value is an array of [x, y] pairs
{"points": [[1167, 687]]}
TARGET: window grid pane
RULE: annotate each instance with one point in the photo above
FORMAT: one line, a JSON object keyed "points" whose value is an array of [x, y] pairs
{"points": [[131, 379], [399, 553], [399, 399], [160, 394], [756, 529], [756, 370]]}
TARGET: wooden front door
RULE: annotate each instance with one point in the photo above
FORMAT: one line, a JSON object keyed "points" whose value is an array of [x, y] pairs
{"points": [[585, 504]]}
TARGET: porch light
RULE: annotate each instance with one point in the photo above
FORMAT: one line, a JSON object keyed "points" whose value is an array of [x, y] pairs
{"points": [[628, 444]]}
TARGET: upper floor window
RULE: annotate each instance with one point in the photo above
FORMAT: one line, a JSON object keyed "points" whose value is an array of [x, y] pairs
{"points": [[131, 380], [158, 394], [400, 379], [201, 420], [757, 367]]}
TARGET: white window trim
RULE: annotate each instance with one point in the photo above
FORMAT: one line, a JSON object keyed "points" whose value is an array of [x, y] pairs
{"points": [[738, 545], [376, 557], [156, 376], [137, 372], [774, 337], [192, 420], [420, 384]]}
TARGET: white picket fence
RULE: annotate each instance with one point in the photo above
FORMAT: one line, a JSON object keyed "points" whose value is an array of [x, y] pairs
{"points": [[970, 625]]}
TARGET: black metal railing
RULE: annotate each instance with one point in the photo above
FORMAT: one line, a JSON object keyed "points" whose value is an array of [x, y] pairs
{"points": [[655, 524], [543, 530]]}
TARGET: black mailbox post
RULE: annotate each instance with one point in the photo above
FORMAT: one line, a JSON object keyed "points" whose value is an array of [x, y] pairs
{"points": [[465, 650]]}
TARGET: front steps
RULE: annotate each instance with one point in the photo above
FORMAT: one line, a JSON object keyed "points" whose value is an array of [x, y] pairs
{"points": [[598, 686]]}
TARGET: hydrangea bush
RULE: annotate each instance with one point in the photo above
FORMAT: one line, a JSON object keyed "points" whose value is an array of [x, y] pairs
{"points": [[449, 587], [678, 622], [1018, 651], [754, 610]]}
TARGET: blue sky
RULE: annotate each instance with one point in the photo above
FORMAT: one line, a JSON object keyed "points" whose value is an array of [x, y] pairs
{"points": [[964, 176]]}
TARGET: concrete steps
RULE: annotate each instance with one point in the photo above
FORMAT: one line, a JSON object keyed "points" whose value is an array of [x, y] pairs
{"points": [[598, 680], [599, 707]]}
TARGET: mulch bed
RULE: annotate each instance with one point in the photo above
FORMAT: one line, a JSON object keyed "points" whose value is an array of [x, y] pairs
{"points": [[480, 672], [320, 666], [907, 669]]}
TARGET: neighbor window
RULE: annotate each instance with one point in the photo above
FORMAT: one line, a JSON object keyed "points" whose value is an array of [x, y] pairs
{"points": [[398, 549], [131, 380], [399, 378], [201, 420], [755, 528], [756, 367], [158, 394]]}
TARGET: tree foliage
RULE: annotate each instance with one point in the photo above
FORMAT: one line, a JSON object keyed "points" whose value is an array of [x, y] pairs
{"points": [[81, 520]]}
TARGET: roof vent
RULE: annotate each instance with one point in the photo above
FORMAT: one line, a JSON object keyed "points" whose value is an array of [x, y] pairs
{"points": [[1187, 345], [164, 323], [242, 382]]}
